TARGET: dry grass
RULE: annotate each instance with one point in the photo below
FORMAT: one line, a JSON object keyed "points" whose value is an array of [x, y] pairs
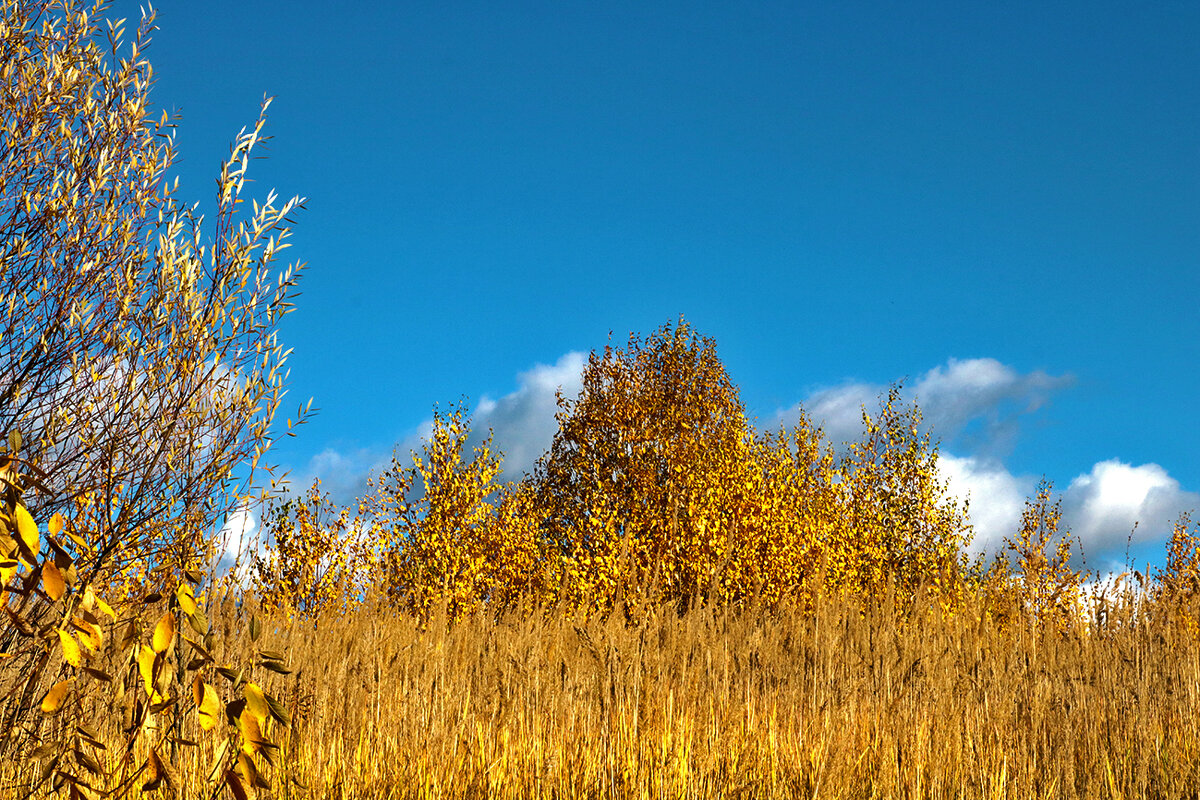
{"points": [[834, 704]]}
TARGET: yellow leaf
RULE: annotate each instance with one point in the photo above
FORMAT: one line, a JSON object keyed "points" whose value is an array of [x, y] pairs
{"points": [[69, 647], [56, 524], [210, 709], [52, 581], [252, 738], [146, 659], [106, 608], [27, 529], [187, 600], [92, 637], [164, 633], [256, 702], [54, 697]]}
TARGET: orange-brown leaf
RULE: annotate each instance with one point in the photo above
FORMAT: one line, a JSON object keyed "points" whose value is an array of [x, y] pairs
{"points": [[54, 698], [52, 581], [154, 773], [235, 785]]}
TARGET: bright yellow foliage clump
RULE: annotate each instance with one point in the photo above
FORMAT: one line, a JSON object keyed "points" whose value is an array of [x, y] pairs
{"points": [[656, 489]]}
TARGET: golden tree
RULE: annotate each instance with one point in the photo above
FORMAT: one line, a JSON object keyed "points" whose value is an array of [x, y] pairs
{"points": [[799, 544], [657, 429], [138, 358], [433, 521], [1048, 587], [140, 369], [518, 568], [1177, 586], [657, 487], [317, 556], [903, 528]]}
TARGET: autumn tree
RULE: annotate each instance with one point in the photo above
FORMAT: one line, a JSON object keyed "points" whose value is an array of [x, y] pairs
{"points": [[1048, 587], [656, 428], [140, 369], [317, 556], [1177, 585], [138, 349], [904, 528], [433, 519], [657, 486]]}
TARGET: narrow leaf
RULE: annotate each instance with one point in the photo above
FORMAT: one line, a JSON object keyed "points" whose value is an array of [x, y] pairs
{"points": [[98, 674], [146, 662], [235, 785]]}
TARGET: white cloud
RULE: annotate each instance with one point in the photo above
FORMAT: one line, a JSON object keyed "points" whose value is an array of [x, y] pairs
{"points": [[996, 497], [1100, 506], [977, 399], [523, 422], [1104, 504]]}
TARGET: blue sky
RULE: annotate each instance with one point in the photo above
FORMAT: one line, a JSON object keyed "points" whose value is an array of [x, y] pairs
{"points": [[1000, 204]]}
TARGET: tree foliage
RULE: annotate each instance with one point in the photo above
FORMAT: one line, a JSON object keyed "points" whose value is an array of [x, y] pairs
{"points": [[657, 489], [140, 372], [138, 358]]}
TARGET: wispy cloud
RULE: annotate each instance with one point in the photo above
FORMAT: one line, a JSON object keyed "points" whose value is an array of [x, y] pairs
{"points": [[523, 422], [974, 406], [976, 403], [343, 473]]}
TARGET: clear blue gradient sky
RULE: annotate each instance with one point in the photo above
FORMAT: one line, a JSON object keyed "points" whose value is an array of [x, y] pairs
{"points": [[841, 194]]}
